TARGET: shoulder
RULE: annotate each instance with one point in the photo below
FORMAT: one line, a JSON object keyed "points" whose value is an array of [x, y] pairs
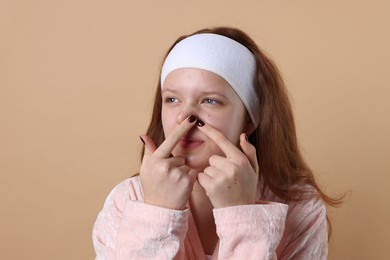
{"points": [[302, 212], [311, 203], [310, 199]]}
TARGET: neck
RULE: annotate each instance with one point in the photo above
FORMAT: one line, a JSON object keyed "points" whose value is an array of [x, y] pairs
{"points": [[202, 212]]}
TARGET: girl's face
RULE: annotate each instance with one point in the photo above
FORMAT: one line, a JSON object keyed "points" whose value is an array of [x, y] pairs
{"points": [[211, 99]]}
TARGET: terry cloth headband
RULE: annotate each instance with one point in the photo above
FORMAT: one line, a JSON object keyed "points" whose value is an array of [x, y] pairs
{"points": [[222, 56]]}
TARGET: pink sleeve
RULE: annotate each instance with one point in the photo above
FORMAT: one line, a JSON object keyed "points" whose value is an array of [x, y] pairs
{"points": [[250, 231], [128, 229]]}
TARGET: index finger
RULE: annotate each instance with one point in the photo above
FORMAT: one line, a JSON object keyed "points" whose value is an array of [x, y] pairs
{"points": [[229, 149], [165, 149]]}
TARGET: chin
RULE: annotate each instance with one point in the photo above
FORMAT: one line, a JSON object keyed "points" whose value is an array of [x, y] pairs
{"points": [[196, 163]]}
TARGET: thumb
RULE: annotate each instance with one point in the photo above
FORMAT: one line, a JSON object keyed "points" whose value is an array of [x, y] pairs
{"points": [[149, 146], [250, 151]]}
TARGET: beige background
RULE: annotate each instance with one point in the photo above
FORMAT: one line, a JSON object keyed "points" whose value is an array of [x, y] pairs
{"points": [[76, 86]]}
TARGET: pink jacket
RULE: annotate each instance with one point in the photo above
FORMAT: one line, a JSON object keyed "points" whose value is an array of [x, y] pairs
{"points": [[127, 228]]}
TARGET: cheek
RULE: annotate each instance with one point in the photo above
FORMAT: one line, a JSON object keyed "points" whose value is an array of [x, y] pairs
{"points": [[222, 124], [168, 122], [230, 124], [217, 122]]}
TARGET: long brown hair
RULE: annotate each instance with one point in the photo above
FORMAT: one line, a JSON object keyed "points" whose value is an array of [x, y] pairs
{"points": [[281, 165]]}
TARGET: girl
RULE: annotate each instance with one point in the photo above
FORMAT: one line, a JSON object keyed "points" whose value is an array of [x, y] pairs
{"points": [[221, 176]]}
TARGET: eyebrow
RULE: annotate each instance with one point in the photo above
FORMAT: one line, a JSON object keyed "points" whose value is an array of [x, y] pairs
{"points": [[168, 90]]}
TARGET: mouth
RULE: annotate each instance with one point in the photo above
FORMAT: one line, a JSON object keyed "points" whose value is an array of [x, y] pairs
{"points": [[190, 143]]}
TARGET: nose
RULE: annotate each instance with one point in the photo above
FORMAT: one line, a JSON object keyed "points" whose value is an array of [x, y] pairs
{"points": [[185, 113]]}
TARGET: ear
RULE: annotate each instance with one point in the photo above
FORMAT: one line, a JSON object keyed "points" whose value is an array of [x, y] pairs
{"points": [[249, 127]]}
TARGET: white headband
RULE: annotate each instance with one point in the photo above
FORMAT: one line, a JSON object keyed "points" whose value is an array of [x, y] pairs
{"points": [[223, 56]]}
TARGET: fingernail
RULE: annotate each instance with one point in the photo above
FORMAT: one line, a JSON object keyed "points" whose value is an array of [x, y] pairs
{"points": [[246, 138], [192, 118], [142, 140], [199, 123]]}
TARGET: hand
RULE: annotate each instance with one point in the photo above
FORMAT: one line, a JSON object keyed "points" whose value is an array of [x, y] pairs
{"points": [[231, 180], [166, 181]]}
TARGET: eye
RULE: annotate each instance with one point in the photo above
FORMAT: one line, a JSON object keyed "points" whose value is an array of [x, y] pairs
{"points": [[171, 100], [211, 101]]}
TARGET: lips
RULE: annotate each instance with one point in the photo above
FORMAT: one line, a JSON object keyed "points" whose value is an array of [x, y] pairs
{"points": [[190, 143]]}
